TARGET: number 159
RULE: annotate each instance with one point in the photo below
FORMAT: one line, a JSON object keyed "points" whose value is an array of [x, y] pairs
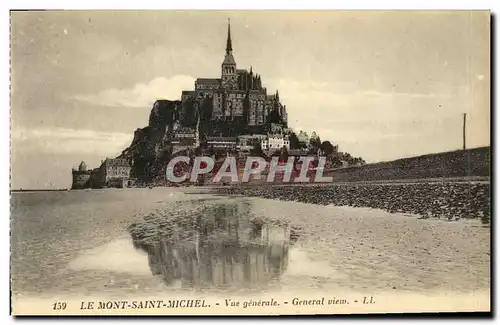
{"points": [[59, 306]]}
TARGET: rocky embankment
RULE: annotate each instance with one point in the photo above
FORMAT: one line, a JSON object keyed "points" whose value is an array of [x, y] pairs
{"points": [[445, 200]]}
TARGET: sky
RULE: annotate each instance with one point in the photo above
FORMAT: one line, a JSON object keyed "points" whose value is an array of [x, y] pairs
{"points": [[381, 85]]}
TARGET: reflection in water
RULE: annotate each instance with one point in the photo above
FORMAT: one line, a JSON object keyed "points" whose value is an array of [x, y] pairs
{"points": [[214, 244]]}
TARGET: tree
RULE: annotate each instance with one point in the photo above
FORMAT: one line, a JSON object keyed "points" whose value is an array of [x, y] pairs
{"points": [[315, 141], [312, 150], [257, 150], [284, 154], [336, 162], [211, 150], [327, 147], [294, 141]]}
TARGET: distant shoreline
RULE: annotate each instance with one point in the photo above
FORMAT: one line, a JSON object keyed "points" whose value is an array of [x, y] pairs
{"points": [[40, 190]]}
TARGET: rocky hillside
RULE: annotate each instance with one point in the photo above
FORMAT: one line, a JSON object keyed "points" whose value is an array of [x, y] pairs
{"points": [[146, 160]]}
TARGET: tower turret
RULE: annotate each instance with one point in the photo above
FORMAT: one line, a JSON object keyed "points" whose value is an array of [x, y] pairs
{"points": [[250, 78], [82, 167]]}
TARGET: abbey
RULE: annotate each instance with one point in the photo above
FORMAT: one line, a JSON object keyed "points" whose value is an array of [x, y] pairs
{"points": [[236, 98], [230, 114]]}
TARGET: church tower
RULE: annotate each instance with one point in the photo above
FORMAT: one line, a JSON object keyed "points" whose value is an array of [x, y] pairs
{"points": [[229, 75]]}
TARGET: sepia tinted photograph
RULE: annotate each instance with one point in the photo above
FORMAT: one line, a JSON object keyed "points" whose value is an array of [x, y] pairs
{"points": [[249, 162]]}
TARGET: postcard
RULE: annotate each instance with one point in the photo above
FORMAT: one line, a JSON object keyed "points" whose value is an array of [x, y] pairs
{"points": [[250, 162]]}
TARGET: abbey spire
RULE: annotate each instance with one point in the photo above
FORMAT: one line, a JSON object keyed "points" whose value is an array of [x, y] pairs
{"points": [[229, 44], [228, 58], [229, 76]]}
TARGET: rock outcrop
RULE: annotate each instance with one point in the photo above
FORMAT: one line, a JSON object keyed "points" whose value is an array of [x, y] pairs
{"points": [[146, 160]]}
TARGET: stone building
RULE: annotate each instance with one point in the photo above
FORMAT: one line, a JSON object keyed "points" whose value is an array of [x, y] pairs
{"points": [[277, 142], [186, 136], [111, 173], [238, 95], [222, 143], [81, 177], [247, 142]]}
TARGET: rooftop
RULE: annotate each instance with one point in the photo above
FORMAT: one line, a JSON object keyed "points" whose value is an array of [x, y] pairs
{"points": [[271, 135], [221, 138], [185, 130], [211, 81], [118, 162], [252, 136]]}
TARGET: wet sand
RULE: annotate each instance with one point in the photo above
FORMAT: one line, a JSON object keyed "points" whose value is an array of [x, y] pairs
{"points": [[341, 250]]}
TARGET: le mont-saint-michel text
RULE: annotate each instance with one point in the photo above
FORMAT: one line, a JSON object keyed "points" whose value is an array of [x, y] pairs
{"points": [[202, 303]]}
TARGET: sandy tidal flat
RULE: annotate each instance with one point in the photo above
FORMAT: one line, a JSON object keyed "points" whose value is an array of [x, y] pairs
{"points": [[88, 251]]}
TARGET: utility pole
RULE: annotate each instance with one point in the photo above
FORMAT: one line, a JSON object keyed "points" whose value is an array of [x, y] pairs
{"points": [[463, 131]]}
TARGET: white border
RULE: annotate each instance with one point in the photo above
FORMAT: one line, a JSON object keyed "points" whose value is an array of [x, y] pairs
{"points": [[260, 4]]}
